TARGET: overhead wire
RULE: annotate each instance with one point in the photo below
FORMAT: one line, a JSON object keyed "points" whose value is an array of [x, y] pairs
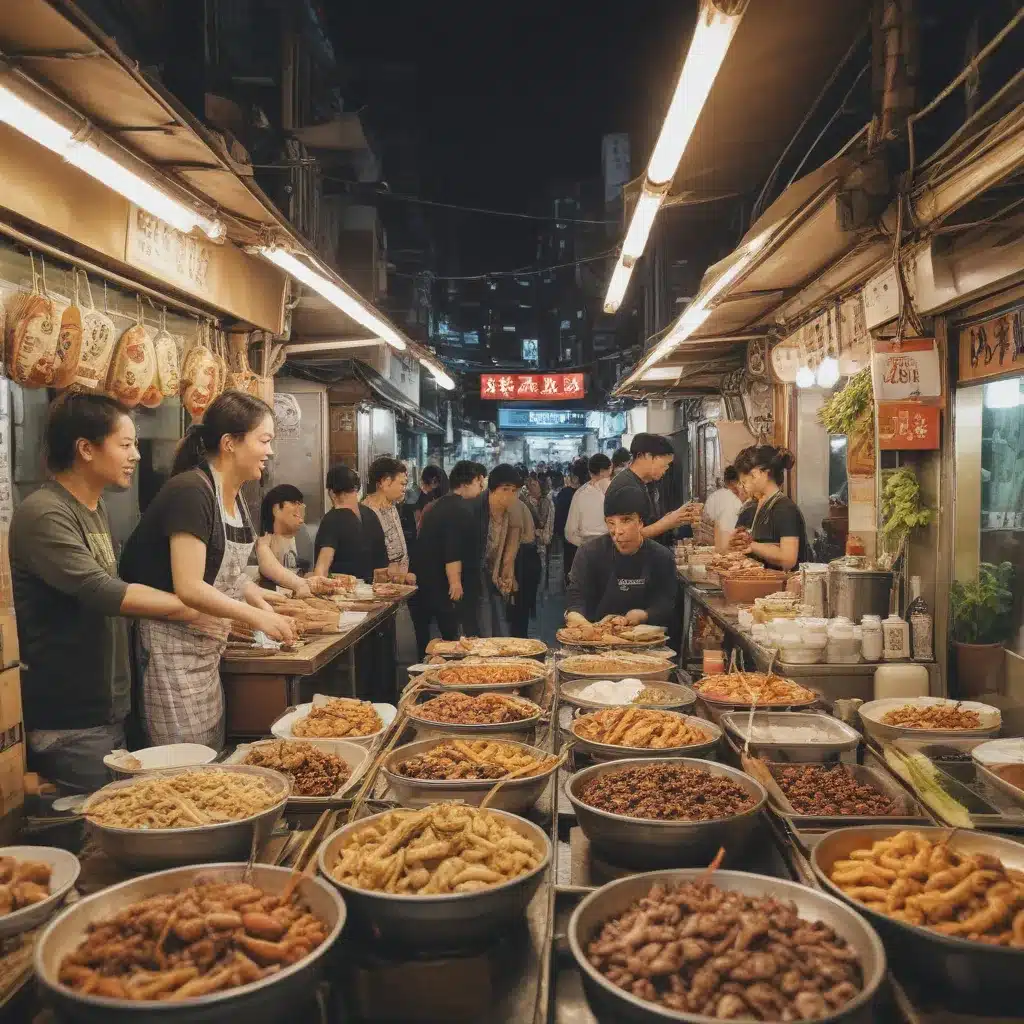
{"points": [[526, 271]]}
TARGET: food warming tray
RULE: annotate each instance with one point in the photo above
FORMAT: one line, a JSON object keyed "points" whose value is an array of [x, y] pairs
{"points": [[837, 737]]}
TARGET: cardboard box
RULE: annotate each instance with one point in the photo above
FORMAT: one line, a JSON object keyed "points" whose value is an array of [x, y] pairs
{"points": [[12, 779], [9, 651], [10, 702]]}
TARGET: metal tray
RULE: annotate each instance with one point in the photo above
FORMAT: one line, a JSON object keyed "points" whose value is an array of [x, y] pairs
{"points": [[915, 814], [683, 696]]}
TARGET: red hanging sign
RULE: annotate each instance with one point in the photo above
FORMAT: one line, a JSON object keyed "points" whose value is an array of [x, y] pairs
{"points": [[907, 425], [520, 387]]}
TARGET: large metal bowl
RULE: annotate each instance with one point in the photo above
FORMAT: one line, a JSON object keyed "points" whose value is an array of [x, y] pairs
{"points": [[990, 975], [609, 1002], [575, 666], [426, 728], [616, 752], [516, 796], [150, 849], [872, 713], [835, 737], [261, 1002], [432, 681], [445, 921], [642, 843], [681, 696]]}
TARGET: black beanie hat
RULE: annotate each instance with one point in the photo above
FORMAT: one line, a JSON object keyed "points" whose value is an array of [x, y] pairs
{"points": [[623, 501]]}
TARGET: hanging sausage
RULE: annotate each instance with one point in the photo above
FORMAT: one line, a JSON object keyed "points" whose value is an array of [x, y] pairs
{"points": [[199, 373], [69, 344], [33, 334], [166, 344]]}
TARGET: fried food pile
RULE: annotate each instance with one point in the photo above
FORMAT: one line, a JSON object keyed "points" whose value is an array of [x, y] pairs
{"points": [[637, 727], [666, 792], [488, 647], [475, 709], [486, 674], [817, 789], [313, 772], [339, 717], [601, 665], [733, 562], [701, 950], [311, 615], [932, 716], [443, 849], [753, 688], [475, 759], [207, 938], [610, 634], [204, 796], [389, 591], [912, 879], [23, 883]]}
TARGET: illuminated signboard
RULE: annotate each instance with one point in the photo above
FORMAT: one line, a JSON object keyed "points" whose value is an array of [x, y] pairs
{"points": [[529, 387]]}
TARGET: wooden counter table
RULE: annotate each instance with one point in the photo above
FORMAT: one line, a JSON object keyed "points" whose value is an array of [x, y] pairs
{"points": [[260, 687]]}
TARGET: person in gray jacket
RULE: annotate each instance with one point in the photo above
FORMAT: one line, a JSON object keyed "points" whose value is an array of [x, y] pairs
{"points": [[622, 575]]}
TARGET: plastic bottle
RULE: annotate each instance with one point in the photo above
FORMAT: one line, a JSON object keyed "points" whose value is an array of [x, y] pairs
{"points": [[895, 639], [871, 633]]}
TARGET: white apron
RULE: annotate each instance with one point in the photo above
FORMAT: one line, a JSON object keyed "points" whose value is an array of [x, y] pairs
{"points": [[179, 663]]}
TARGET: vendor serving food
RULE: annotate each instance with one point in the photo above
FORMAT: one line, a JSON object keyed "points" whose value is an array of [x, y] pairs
{"points": [[622, 575], [773, 531]]}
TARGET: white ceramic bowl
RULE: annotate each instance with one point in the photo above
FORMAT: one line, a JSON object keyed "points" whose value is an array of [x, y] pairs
{"points": [[874, 711], [169, 755], [65, 869], [355, 756], [282, 728]]}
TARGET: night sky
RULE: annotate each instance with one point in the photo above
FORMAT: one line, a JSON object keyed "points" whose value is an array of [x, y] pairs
{"points": [[514, 96]]}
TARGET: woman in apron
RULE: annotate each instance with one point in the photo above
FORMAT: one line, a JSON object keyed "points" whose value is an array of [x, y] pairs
{"points": [[777, 534], [195, 540]]}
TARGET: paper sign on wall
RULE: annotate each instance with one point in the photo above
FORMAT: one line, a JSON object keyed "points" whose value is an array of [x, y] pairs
{"points": [[907, 425], [909, 370]]}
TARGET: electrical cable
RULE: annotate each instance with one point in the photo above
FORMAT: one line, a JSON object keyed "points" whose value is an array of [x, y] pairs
{"points": [[474, 209], [521, 272]]}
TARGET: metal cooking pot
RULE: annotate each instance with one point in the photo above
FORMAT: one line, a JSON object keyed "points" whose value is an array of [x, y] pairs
{"points": [[855, 593]]}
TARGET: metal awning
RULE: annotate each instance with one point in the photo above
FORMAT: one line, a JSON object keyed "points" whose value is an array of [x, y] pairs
{"points": [[337, 371], [693, 369], [60, 48], [781, 58]]}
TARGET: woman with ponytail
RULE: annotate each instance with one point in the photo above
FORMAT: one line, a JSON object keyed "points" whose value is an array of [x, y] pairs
{"points": [[773, 531], [194, 540]]}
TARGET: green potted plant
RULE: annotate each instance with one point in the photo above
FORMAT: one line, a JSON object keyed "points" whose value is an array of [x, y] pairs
{"points": [[981, 622]]}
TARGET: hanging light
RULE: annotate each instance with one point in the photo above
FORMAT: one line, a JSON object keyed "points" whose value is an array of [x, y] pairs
{"points": [[644, 212], [805, 377], [442, 379], [336, 296], [617, 286], [828, 372], [32, 122]]}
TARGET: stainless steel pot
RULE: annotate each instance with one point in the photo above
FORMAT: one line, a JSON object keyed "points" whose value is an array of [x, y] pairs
{"points": [[855, 593], [609, 1002], [262, 1002]]}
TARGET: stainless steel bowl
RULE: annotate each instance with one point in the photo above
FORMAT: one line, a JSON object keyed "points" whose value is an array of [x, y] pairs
{"points": [[149, 849], [425, 728], [643, 843], [262, 1002], [430, 678], [516, 797], [610, 1002], [446, 921], [567, 671], [991, 975], [681, 696], [615, 752]]}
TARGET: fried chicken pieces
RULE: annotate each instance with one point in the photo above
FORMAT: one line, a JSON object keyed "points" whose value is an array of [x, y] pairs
{"points": [[207, 938], [22, 883]]}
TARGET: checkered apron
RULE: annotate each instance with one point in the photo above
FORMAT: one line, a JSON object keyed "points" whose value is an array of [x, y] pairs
{"points": [[179, 663]]}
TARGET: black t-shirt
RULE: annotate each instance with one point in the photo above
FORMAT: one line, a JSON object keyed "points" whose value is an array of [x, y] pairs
{"points": [[780, 518], [357, 539], [562, 502], [449, 532], [627, 479], [187, 503], [605, 582], [745, 516]]}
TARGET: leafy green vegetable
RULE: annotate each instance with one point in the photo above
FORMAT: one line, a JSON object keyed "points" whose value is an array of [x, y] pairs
{"points": [[846, 411], [902, 510], [982, 608]]}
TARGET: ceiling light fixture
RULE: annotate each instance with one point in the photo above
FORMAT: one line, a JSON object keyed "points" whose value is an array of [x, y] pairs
{"points": [[335, 295], [88, 157], [828, 372], [805, 377]]}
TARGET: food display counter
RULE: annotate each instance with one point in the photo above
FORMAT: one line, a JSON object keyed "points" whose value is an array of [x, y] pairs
{"points": [[834, 681], [525, 971], [259, 685]]}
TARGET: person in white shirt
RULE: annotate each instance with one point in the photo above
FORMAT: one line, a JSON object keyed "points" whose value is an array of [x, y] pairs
{"points": [[723, 505], [586, 513]]}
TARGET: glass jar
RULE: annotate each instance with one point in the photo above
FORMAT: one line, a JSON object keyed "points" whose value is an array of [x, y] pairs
{"points": [[843, 645], [871, 633], [895, 639]]}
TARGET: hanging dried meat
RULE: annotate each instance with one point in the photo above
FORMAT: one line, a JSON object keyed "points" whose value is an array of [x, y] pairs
{"points": [[69, 346], [241, 377], [98, 337], [134, 366], [167, 374], [199, 373], [33, 334]]}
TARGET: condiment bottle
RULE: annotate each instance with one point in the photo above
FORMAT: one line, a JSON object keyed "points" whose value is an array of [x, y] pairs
{"points": [[895, 639], [871, 634], [920, 619]]}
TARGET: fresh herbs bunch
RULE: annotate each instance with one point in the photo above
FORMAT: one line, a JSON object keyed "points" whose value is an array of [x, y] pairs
{"points": [[982, 608], [845, 412], [902, 509]]}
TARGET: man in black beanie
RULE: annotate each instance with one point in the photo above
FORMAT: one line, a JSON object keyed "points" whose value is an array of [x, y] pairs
{"points": [[622, 574]]}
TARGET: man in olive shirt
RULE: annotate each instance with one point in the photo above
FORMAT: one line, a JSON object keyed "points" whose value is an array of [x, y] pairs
{"points": [[69, 603], [652, 455]]}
